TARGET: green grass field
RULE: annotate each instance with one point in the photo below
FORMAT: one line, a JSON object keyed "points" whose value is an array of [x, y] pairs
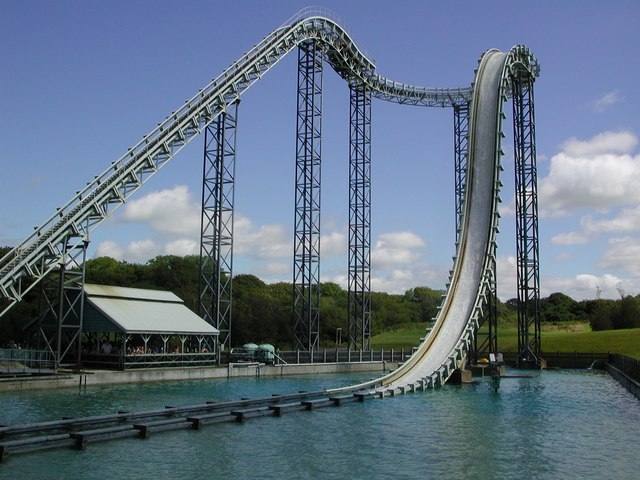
{"points": [[554, 338]]}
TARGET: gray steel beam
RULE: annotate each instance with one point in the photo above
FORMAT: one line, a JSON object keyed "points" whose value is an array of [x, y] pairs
{"points": [[461, 155], [216, 238], [306, 256], [360, 219], [62, 307], [485, 339], [527, 246]]}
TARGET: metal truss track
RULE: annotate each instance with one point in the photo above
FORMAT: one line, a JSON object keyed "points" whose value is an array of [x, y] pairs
{"points": [[40, 253]]}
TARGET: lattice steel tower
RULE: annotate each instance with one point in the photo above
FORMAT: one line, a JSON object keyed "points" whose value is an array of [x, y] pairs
{"points": [[306, 257], [527, 246], [216, 244], [360, 219]]}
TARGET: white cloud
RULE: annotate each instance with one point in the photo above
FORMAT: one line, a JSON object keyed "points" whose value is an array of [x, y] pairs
{"points": [[570, 238], [400, 240], [172, 211], [598, 173], [506, 275], [182, 247], [136, 252], [395, 249], [623, 255], [507, 209], [626, 221], [606, 100], [396, 281], [586, 286], [579, 287], [399, 280], [601, 144], [109, 248], [334, 243], [265, 241]]}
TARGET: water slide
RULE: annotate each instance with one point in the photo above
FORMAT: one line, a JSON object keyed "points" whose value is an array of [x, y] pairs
{"points": [[444, 348], [447, 343]]}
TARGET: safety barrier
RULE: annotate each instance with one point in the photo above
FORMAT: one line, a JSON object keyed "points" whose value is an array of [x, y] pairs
{"points": [[341, 356], [17, 359], [628, 365]]}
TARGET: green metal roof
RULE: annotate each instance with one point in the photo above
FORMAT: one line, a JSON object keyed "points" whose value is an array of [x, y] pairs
{"points": [[136, 310]]}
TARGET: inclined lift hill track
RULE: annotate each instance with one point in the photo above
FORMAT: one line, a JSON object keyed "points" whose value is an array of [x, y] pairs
{"points": [[470, 295]]}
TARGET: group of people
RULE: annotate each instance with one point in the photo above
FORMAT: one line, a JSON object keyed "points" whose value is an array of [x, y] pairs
{"points": [[140, 350], [107, 348], [11, 344]]}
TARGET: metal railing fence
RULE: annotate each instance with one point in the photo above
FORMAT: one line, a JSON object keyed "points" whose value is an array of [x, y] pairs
{"points": [[341, 356], [15, 359]]}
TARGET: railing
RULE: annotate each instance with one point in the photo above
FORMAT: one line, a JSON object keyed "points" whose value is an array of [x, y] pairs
{"points": [[563, 359], [149, 360], [341, 356], [630, 366], [17, 359]]}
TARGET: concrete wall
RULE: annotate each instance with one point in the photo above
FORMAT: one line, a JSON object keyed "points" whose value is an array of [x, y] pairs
{"points": [[108, 377], [624, 380]]}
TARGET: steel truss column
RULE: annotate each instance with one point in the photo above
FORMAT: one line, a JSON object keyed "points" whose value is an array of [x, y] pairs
{"points": [[485, 339], [461, 155], [360, 219], [62, 305], [306, 257], [216, 239], [486, 336], [527, 250]]}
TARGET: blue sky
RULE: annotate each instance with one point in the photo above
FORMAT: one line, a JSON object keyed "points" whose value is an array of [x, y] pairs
{"points": [[84, 80]]}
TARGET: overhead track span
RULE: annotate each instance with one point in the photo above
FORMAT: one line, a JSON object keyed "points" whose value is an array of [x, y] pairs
{"points": [[44, 250]]}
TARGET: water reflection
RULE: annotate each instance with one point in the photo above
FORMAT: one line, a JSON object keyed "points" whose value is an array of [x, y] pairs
{"points": [[551, 426]]}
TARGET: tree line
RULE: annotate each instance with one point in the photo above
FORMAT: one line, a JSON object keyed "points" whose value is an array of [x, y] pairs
{"points": [[262, 313]]}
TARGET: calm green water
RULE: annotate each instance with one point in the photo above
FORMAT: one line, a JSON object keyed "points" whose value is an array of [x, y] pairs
{"points": [[558, 425]]}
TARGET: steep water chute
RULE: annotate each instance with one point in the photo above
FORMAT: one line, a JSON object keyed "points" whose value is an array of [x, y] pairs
{"points": [[446, 346]]}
